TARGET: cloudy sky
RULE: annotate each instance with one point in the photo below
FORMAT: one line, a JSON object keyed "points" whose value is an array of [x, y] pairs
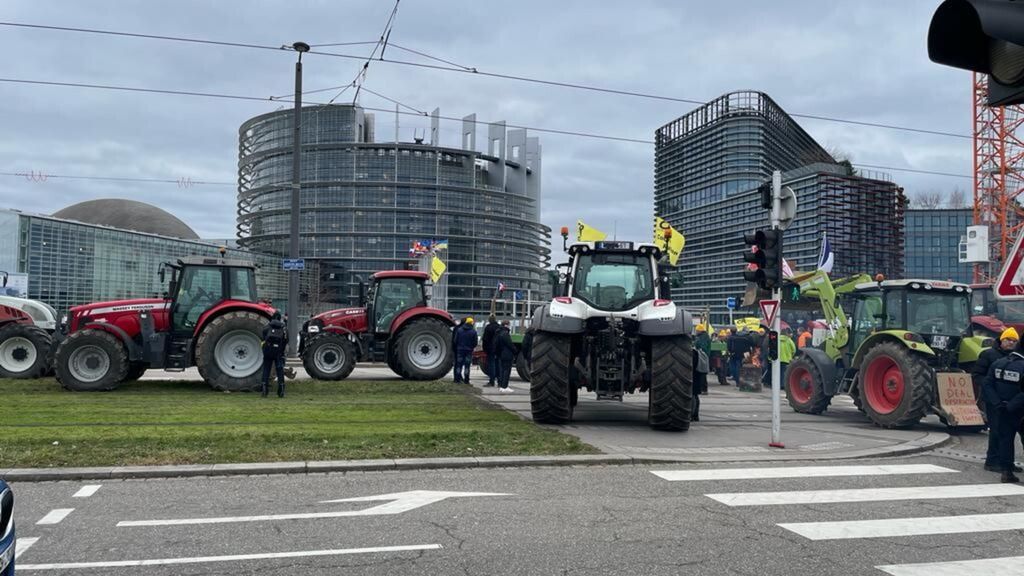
{"points": [[864, 61]]}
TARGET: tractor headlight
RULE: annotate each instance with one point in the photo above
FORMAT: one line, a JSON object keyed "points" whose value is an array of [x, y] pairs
{"points": [[313, 329]]}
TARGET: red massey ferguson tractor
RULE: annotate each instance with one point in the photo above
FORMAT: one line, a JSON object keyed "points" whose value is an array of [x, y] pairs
{"points": [[25, 327], [209, 318], [393, 324]]}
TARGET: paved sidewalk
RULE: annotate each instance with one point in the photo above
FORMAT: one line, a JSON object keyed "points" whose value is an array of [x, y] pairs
{"points": [[734, 426]]}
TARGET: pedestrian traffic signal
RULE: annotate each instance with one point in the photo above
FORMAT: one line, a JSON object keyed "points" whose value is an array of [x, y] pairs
{"points": [[985, 36], [773, 345], [766, 255]]}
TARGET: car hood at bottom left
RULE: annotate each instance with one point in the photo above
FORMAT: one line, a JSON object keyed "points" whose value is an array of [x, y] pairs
{"points": [[7, 536]]}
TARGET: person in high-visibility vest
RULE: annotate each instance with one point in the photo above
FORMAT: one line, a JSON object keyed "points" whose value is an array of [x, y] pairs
{"points": [[805, 338]]}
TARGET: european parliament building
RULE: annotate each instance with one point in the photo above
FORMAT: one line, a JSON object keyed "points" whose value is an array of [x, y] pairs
{"points": [[708, 166], [364, 203]]}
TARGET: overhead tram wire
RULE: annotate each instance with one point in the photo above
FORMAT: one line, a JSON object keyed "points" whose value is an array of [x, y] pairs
{"points": [[179, 181], [474, 71], [373, 109]]}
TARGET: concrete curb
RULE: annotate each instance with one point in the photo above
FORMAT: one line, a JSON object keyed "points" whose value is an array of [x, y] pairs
{"points": [[930, 441]]}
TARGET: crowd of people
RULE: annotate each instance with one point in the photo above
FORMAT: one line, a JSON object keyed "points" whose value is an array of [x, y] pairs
{"points": [[751, 347], [998, 380], [500, 352]]}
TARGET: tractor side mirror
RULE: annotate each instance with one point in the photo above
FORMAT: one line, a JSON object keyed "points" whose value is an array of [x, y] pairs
{"points": [[4, 278], [162, 274], [666, 288], [362, 294]]}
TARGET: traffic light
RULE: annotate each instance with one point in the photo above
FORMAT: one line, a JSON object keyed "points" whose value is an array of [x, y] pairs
{"points": [[985, 36], [773, 345], [766, 254], [765, 190]]}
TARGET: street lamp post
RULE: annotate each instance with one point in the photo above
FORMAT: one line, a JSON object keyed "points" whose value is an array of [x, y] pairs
{"points": [[293, 275]]}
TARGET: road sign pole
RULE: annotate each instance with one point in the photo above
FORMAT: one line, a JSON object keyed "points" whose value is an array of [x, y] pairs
{"points": [[776, 323]]}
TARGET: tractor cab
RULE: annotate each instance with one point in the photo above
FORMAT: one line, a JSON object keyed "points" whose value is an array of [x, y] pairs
{"points": [[934, 313], [198, 284], [390, 294]]}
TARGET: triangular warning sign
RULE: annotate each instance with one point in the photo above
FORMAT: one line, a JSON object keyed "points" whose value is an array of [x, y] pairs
{"points": [[768, 310], [1010, 284]]}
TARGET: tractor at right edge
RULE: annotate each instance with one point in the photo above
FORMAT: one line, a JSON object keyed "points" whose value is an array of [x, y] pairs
{"points": [[907, 353]]}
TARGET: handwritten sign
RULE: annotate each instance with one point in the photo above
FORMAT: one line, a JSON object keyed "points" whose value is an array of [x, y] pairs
{"points": [[956, 398]]}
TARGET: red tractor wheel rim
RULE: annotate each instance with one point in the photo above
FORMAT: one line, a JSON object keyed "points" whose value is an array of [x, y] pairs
{"points": [[801, 385], [884, 386]]}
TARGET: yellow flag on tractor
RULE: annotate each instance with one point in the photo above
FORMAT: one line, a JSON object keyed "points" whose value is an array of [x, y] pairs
{"points": [[437, 268], [586, 233], [668, 239]]}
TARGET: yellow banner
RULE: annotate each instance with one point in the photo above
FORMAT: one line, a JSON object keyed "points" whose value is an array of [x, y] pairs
{"points": [[586, 233], [437, 268], [672, 245]]}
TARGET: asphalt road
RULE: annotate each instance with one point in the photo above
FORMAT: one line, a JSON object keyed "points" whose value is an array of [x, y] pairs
{"points": [[578, 520]]}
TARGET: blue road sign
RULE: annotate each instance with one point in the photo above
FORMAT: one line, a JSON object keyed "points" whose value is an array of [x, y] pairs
{"points": [[518, 295], [293, 264], [730, 303]]}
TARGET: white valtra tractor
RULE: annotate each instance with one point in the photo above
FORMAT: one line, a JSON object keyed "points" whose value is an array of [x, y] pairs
{"points": [[612, 329]]}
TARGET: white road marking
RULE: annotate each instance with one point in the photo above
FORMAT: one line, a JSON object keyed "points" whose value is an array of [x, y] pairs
{"points": [[396, 504], [22, 545], [1012, 566], [798, 472], [55, 516], [867, 494], [87, 491], [907, 526], [235, 558]]}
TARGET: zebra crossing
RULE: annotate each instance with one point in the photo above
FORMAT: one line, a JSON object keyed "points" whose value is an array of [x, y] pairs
{"points": [[839, 530]]}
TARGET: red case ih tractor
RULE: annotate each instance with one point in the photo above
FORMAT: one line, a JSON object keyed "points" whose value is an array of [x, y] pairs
{"points": [[24, 338], [210, 318], [396, 326]]}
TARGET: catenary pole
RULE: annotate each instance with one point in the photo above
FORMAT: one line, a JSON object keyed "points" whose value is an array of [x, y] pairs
{"points": [[293, 252]]}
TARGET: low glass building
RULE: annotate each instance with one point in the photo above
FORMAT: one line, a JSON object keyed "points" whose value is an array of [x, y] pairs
{"points": [[365, 203], [70, 262], [933, 243]]}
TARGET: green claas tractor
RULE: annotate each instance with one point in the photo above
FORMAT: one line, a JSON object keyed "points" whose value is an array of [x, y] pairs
{"points": [[907, 352]]}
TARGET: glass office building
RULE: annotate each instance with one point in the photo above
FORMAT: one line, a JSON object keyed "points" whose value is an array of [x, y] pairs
{"points": [[365, 203], [708, 166], [933, 242], [70, 262]]}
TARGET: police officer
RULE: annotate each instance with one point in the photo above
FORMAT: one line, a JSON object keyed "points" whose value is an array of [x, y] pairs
{"points": [[1002, 389], [1007, 343]]}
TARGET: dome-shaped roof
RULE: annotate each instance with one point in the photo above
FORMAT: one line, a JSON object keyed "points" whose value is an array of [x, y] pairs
{"points": [[128, 215]]}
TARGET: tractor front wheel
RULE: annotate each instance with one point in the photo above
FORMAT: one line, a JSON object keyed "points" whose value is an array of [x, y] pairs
{"points": [[805, 387], [23, 351], [329, 356], [229, 354], [551, 387], [670, 398], [895, 386], [522, 367], [135, 371], [91, 361], [423, 350]]}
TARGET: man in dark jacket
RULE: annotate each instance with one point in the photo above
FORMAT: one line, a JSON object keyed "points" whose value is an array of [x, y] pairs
{"points": [[505, 353], [275, 340], [1007, 343], [490, 331], [465, 343], [737, 345], [1003, 389]]}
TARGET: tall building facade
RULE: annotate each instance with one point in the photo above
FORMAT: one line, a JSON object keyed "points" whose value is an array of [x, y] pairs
{"points": [[708, 166], [70, 262], [933, 243], [365, 203]]}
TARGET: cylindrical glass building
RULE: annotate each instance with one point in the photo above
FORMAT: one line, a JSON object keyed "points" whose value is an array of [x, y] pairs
{"points": [[365, 203]]}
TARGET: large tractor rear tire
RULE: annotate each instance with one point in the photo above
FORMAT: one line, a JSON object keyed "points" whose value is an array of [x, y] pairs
{"points": [[329, 356], [805, 387], [423, 349], [135, 371], [670, 398], [91, 361], [896, 386], [522, 367], [551, 386], [24, 350], [229, 354]]}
